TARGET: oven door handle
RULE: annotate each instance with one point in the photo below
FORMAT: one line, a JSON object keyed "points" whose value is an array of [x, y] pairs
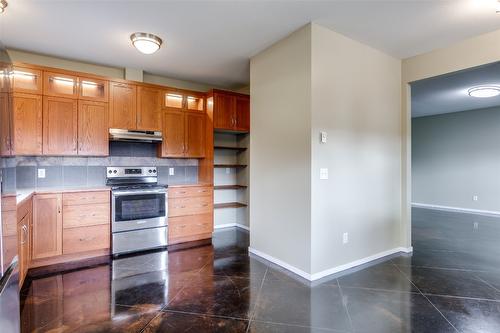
{"points": [[125, 193]]}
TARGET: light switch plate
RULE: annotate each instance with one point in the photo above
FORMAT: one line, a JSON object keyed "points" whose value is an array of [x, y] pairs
{"points": [[323, 173], [41, 173], [171, 171], [324, 137]]}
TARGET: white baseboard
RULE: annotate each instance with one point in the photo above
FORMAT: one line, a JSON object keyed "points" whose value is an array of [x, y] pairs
{"points": [[456, 209], [231, 225], [330, 271]]}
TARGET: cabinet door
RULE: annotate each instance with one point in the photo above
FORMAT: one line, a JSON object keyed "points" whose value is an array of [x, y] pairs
{"points": [[195, 135], [93, 128], [224, 111], [27, 80], [93, 89], [148, 109], [27, 124], [21, 236], [5, 125], [60, 126], [242, 114], [60, 85], [173, 134], [47, 225], [122, 106]]}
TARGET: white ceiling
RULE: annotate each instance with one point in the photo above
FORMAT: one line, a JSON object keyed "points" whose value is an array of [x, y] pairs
{"points": [[212, 41], [449, 93]]}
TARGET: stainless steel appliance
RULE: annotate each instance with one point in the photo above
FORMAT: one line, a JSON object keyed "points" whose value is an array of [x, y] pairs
{"points": [[139, 209], [9, 270], [116, 134]]}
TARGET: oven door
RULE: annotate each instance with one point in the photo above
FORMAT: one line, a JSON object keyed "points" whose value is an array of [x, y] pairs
{"points": [[139, 209]]}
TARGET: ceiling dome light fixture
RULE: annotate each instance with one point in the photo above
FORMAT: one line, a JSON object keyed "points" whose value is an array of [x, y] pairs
{"points": [[145, 42], [484, 91], [3, 5]]}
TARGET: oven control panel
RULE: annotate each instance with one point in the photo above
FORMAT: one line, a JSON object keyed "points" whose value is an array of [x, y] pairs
{"points": [[130, 172]]}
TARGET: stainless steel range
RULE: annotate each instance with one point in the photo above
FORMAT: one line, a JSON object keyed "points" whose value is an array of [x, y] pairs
{"points": [[139, 209]]}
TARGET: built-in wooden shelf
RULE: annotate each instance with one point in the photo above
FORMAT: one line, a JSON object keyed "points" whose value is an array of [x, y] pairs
{"points": [[230, 165], [229, 205], [238, 149], [229, 187]]}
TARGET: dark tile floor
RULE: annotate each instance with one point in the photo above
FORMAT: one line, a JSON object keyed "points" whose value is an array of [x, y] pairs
{"points": [[451, 283]]}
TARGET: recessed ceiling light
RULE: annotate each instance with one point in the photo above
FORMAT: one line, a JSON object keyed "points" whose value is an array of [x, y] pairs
{"points": [[3, 4], [146, 43], [484, 91]]}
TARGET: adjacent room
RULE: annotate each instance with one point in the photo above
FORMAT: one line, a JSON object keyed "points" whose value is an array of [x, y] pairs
{"points": [[250, 166]]}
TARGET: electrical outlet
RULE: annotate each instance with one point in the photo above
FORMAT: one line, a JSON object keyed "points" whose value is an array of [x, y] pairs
{"points": [[476, 226], [41, 173], [475, 198], [345, 238], [323, 173], [228, 171], [171, 171], [324, 137]]}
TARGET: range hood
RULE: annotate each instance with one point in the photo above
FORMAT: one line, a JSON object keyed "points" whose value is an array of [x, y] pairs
{"points": [[116, 134]]}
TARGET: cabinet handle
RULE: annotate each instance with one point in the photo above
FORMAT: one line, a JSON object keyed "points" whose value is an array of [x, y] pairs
{"points": [[86, 239]]}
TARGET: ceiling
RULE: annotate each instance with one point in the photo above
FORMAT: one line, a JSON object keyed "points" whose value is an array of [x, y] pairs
{"points": [[212, 41], [449, 93]]}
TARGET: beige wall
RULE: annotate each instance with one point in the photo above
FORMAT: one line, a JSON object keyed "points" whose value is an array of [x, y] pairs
{"points": [[469, 53], [356, 100], [280, 150], [113, 72]]}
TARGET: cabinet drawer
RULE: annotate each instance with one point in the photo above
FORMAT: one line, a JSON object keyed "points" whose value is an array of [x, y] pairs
{"points": [[85, 215], [9, 223], [85, 239], [190, 206], [183, 192], [9, 203], [184, 226], [85, 198]]}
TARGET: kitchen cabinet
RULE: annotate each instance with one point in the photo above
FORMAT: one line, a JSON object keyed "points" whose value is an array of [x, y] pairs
{"points": [[27, 124], [60, 126], [231, 111], [27, 80], [5, 125], [123, 106], [148, 109], [47, 225], [60, 85], [183, 134], [24, 231], [93, 128], [93, 89], [190, 212]]}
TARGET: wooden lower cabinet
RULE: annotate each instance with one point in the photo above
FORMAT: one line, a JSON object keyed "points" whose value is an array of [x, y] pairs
{"points": [[86, 238], [47, 225], [24, 231], [190, 211]]}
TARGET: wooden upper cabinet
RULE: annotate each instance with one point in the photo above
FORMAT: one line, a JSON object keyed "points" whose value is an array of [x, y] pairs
{"points": [[27, 80], [26, 124], [5, 125], [195, 103], [93, 128], [47, 225], [195, 135], [224, 111], [148, 109], [60, 85], [173, 100], [93, 89], [122, 106], [242, 114], [60, 126], [173, 144]]}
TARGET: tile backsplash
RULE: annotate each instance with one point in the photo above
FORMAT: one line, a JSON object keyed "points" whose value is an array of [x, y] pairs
{"points": [[91, 171]]}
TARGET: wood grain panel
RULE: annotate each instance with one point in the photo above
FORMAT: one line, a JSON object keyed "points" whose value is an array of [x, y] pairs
{"points": [[86, 215], [224, 111], [173, 134], [5, 125], [86, 198], [122, 105], [149, 109], [47, 225], [190, 206], [183, 226], [192, 191], [60, 126], [242, 114], [195, 135], [93, 128], [86, 239], [27, 124]]}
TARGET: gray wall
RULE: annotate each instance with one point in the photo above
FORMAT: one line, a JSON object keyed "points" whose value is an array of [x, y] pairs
{"points": [[456, 156]]}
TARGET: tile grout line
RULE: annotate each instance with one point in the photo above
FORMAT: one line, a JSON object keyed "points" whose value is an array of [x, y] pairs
{"points": [[486, 282], [345, 306], [428, 300], [257, 300]]}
